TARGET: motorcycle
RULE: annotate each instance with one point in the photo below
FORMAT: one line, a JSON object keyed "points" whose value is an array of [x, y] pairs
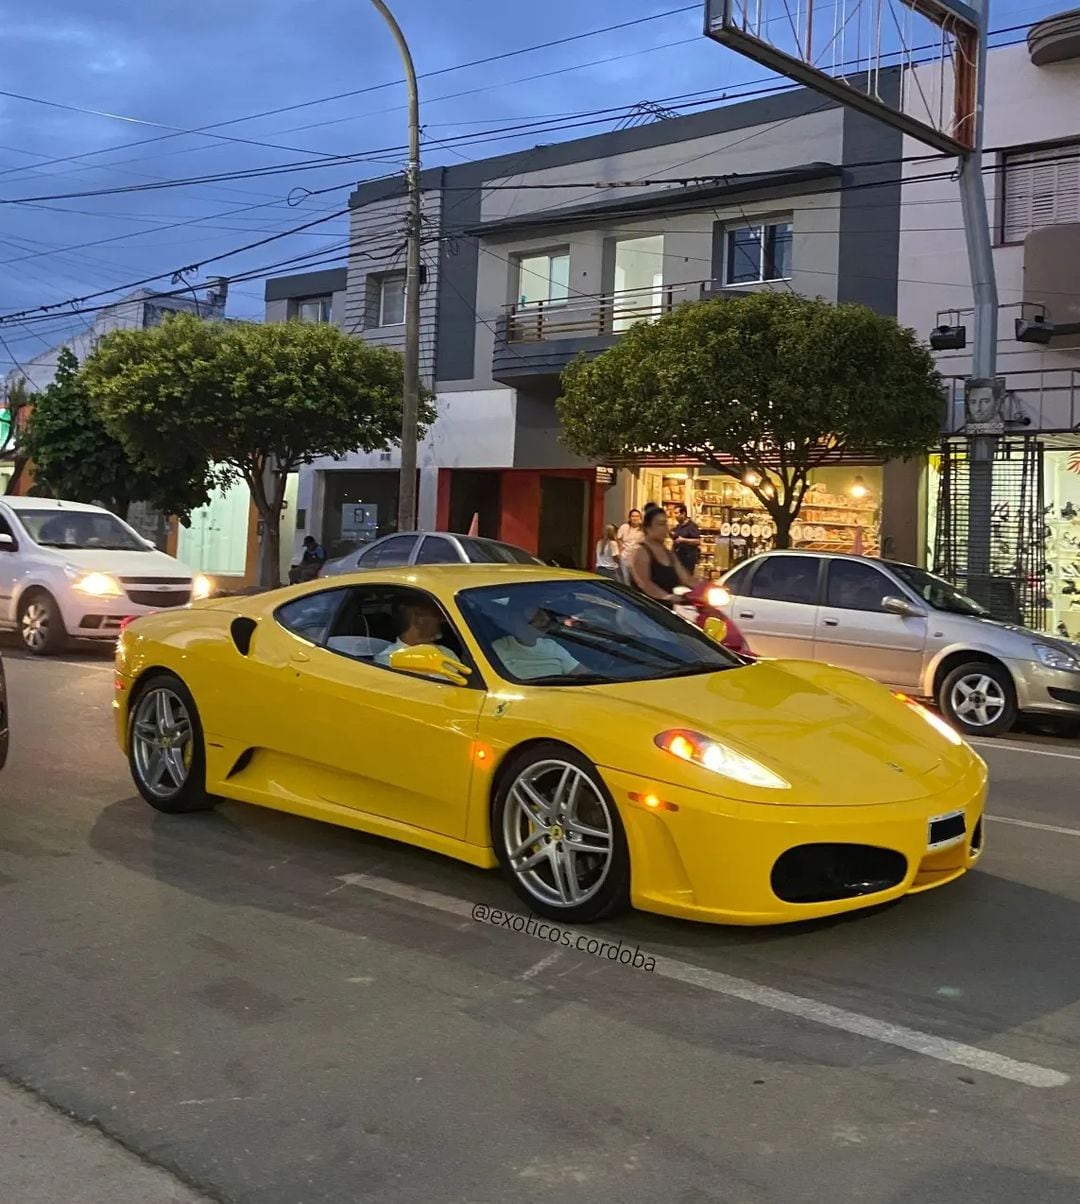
{"points": [[707, 606]]}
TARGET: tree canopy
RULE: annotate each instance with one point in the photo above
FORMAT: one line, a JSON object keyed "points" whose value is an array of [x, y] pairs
{"points": [[764, 388], [75, 456], [247, 400]]}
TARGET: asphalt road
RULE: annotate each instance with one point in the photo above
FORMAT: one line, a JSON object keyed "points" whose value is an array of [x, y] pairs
{"points": [[277, 1011]]}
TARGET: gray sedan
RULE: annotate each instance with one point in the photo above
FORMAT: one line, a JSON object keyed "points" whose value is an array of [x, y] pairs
{"points": [[908, 629], [427, 547]]}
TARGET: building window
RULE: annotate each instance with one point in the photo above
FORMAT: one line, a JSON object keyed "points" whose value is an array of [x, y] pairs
{"points": [[1040, 188], [756, 254], [543, 279], [313, 309], [392, 300]]}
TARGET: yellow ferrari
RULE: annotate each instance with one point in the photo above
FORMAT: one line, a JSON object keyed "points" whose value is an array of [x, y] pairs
{"points": [[601, 750]]}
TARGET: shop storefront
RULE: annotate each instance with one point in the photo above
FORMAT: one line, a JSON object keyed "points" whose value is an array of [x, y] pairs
{"points": [[840, 513]]}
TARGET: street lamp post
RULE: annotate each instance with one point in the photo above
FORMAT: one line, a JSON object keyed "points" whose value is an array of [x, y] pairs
{"points": [[411, 399]]}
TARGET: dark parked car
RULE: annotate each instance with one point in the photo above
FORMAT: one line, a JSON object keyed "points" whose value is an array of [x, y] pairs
{"points": [[427, 547]]}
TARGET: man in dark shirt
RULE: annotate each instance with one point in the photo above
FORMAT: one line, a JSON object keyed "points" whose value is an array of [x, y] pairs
{"points": [[686, 539], [311, 562]]}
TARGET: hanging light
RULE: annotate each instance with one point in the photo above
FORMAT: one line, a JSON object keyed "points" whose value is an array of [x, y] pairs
{"points": [[858, 488], [751, 478]]}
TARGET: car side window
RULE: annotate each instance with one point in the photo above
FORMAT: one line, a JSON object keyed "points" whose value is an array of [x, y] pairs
{"points": [[736, 584], [5, 529], [310, 617], [436, 550], [376, 620], [787, 579], [390, 553], [852, 586]]}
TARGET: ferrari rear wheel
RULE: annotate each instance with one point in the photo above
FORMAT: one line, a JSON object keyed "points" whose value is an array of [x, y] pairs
{"points": [[559, 837], [165, 747]]}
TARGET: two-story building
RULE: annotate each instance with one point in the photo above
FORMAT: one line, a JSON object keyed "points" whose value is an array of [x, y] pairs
{"points": [[532, 258], [1033, 183]]}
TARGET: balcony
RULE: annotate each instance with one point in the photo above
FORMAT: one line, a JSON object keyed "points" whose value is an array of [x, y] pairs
{"points": [[535, 342]]}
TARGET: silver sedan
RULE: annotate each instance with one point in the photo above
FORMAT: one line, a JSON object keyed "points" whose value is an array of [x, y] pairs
{"points": [[427, 547]]}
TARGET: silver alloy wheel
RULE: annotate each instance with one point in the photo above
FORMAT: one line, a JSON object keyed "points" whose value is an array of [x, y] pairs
{"points": [[978, 700], [558, 833], [161, 742], [34, 625]]}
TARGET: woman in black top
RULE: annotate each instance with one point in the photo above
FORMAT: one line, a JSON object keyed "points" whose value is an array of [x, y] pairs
{"points": [[655, 570]]}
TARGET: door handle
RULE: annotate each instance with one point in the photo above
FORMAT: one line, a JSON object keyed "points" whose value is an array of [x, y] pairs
{"points": [[746, 614], [832, 622]]}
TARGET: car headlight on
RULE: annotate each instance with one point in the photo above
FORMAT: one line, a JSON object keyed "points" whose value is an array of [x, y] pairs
{"points": [[98, 585], [717, 597], [719, 758], [1056, 658], [935, 720], [201, 587]]}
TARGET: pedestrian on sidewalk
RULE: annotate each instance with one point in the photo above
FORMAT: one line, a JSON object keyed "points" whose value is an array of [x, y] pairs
{"points": [[311, 562], [607, 553], [686, 540], [629, 537]]}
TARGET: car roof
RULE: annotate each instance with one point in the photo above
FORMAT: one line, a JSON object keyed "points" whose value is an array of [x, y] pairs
{"points": [[825, 556], [49, 503], [450, 577]]}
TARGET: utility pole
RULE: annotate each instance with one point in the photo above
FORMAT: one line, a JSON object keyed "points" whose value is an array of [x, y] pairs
{"points": [[983, 393], [411, 399]]}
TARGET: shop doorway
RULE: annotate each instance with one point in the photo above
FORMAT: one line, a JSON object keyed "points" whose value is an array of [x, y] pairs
{"points": [[563, 515], [1012, 583], [475, 492], [358, 506]]}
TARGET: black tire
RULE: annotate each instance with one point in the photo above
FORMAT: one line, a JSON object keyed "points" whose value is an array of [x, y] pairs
{"points": [[603, 883], [990, 695], [41, 626], [167, 793]]}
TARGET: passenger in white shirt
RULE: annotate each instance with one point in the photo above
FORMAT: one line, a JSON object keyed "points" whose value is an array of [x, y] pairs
{"points": [[527, 654], [421, 622]]}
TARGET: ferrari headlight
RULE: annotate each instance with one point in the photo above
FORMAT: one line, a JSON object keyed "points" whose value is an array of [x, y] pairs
{"points": [[719, 758], [717, 597], [1056, 658], [98, 585], [201, 587], [935, 720]]}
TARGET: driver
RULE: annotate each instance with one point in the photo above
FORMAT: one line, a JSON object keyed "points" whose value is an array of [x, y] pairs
{"points": [[527, 653], [418, 622]]}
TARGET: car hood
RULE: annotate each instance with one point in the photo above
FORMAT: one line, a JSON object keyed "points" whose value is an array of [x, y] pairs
{"points": [[837, 738], [123, 564], [1025, 634]]}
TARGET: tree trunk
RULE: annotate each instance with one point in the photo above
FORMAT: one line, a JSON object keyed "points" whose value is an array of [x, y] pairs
{"points": [[270, 549], [783, 520]]}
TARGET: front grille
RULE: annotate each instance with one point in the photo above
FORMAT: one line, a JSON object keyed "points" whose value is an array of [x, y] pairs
{"points": [[821, 873], [946, 828], [178, 582], [145, 597]]}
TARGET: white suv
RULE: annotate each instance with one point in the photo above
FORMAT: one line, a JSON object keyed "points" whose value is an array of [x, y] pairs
{"points": [[67, 569]]}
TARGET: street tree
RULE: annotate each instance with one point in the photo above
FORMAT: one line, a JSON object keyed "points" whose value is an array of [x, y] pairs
{"points": [[12, 421], [76, 457], [246, 401], [764, 388]]}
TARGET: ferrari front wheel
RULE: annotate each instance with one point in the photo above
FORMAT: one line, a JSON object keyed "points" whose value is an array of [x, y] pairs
{"points": [[559, 837], [165, 747]]}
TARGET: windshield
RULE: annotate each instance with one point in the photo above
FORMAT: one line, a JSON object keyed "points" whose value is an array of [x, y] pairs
{"points": [[79, 529], [585, 633], [937, 592], [488, 551]]}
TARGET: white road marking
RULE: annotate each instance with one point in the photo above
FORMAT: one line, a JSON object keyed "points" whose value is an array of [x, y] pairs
{"points": [[939, 1048], [540, 966], [1027, 823], [1035, 752]]}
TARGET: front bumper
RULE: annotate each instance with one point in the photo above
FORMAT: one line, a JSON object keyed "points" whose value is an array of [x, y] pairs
{"points": [[1045, 691], [714, 859], [88, 618]]}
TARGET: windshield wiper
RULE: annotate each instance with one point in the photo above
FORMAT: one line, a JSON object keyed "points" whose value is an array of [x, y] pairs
{"points": [[692, 671], [52, 543], [579, 628], [571, 679]]}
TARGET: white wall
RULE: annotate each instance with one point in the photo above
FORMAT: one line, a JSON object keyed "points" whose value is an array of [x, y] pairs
{"points": [[1024, 104]]}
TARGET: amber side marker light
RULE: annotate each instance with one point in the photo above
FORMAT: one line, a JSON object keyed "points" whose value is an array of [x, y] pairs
{"points": [[652, 802]]}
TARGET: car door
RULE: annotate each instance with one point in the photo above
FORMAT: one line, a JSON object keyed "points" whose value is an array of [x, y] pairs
{"points": [[776, 609], [854, 631], [9, 562], [378, 740]]}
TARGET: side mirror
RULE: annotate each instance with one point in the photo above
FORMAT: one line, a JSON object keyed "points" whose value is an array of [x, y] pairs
{"points": [[902, 607], [425, 660], [7, 543], [716, 630]]}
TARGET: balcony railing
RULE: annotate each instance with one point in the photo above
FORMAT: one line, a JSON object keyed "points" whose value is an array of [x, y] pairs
{"points": [[604, 313]]}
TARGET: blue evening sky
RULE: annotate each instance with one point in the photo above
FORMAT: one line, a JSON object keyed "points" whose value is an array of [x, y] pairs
{"points": [[154, 65]]}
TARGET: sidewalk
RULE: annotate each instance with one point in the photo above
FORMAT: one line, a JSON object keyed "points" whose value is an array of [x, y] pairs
{"points": [[46, 1158]]}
